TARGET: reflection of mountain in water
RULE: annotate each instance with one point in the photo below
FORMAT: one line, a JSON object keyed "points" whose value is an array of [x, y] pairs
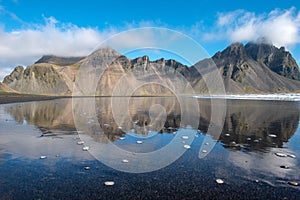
{"points": [[246, 122], [51, 115], [260, 123]]}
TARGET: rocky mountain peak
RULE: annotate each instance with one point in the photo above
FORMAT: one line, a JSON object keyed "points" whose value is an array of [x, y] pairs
{"points": [[141, 60], [16, 74], [106, 52], [102, 57], [58, 60], [234, 51], [263, 40], [259, 51], [277, 59]]}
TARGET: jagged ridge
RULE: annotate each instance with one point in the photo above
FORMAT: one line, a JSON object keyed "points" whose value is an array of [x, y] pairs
{"points": [[257, 68], [250, 68]]}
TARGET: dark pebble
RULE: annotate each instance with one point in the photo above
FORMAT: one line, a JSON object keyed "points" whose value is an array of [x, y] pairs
{"points": [[284, 167]]}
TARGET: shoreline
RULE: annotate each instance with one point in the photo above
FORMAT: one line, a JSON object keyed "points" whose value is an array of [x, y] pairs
{"points": [[262, 97], [6, 98]]}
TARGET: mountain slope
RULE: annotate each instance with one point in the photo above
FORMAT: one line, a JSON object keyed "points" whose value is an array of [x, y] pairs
{"points": [[42, 78], [278, 60], [5, 88]]}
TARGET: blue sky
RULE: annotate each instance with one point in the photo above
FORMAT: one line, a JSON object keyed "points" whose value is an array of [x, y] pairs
{"points": [[31, 28]]}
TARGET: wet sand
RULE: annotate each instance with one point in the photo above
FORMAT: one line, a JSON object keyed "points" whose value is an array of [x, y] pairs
{"points": [[15, 97]]}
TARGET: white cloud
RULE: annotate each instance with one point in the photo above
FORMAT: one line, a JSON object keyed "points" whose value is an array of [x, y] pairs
{"points": [[282, 27], [25, 46]]}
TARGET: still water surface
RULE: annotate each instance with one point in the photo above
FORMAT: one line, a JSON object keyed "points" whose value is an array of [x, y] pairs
{"points": [[244, 155]]}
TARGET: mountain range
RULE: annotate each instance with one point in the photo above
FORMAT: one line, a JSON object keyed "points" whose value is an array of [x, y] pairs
{"points": [[250, 68]]}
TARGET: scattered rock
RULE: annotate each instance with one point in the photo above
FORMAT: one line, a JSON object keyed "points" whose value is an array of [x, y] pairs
{"points": [[86, 148], [43, 157], [233, 143], [272, 135], [139, 142], [284, 167], [80, 142], [125, 161], [291, 156], [219, 181], [109, 183], [185, 137], [187, 146], [280, 154], [293, 183]]}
